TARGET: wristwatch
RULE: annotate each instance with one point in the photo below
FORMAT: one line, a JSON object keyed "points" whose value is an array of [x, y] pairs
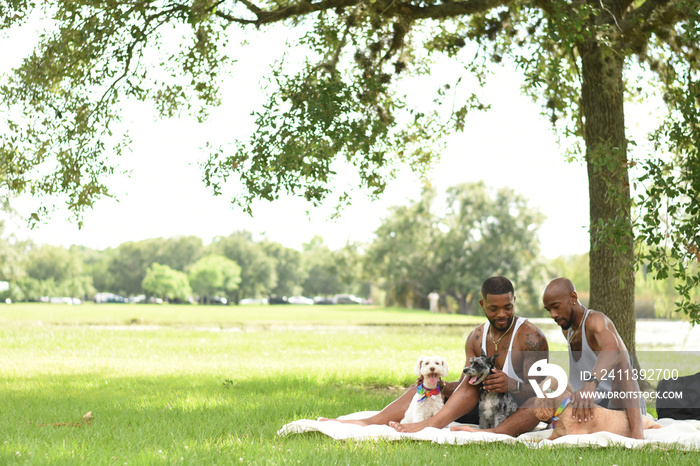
{"points": [[591, 378]]}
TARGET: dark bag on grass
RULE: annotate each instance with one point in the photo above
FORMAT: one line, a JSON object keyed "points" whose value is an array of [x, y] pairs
{"points": [[680, 398]]}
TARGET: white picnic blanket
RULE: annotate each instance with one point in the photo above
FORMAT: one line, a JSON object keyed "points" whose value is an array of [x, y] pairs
{"points": [[674, 434]]}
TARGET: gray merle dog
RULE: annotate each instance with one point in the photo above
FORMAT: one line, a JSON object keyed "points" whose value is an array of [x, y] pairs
{"points": [[493, 407]]}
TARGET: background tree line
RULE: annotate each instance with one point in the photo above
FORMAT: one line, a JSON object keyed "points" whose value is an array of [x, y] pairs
{"points": [[445, 243]]}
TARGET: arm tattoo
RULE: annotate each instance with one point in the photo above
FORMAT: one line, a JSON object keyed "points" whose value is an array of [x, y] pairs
{"points": [[474, 338], [535, 342]]}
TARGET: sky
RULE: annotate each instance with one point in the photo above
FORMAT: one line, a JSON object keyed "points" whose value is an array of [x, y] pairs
{"points": [[162, 195]]}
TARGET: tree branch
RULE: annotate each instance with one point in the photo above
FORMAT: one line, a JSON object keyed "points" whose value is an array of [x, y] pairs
{"points": [[387, 7], [620, 7], [254, 8], [643, 15], [451, 9], [303, 7]]}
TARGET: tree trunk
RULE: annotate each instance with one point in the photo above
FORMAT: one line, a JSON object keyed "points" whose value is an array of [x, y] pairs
{"points": [[462, 303], [473, 307], [611, 255], [443, 304]]}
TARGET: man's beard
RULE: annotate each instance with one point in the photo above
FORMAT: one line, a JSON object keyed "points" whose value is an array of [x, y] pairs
{"points": [[570, 321], [505, 327]]}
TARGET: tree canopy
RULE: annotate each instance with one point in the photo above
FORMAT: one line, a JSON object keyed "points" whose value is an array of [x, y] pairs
{"points": [[322, 269], [257, 275], [480, 233], [214, 274], [581, 60], [163, 282]]}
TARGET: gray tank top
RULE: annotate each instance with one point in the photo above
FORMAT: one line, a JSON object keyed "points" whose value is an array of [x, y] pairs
{"points": [[508, 364], [586, 363]]}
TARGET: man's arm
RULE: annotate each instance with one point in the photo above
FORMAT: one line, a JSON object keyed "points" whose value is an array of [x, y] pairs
{"points": [[602, 339], [633, 408], [529, 347], [605, 341], [535, 348]]}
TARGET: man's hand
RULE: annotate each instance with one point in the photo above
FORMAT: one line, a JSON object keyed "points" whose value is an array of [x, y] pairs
{"points": [[582, 402], [496, 382]]}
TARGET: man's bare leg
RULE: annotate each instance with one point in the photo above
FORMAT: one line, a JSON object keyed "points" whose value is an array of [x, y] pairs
{"points": [[521, 421], [395, 411], [463, 400]]}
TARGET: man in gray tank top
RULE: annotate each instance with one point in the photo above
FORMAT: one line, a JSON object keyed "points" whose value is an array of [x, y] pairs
{"points": [[595, 352]]}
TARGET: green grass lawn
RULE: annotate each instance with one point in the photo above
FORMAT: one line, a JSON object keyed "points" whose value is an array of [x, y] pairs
{"points": [[224, 316], [189, 392]]}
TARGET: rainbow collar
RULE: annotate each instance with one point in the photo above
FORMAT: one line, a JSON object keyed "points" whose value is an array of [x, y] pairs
{"points": [[427, 392], [559, 410]]}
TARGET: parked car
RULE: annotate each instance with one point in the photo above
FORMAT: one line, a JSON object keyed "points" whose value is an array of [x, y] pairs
{"points": [[300, 300], [274, 299], [322, 300], [253, 301], [347, 299], [59, 300], [110, 298], [142, 299]]}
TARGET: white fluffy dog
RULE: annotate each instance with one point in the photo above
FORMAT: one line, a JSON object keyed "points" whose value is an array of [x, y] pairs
{"points": [[428, 400]]}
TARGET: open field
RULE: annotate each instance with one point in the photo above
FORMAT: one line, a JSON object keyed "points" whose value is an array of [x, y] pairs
{"points": [[181, 390], [224, 316]]}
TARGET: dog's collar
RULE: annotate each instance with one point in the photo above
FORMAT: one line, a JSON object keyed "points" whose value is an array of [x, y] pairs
{"points": [[559, 410], [427, 392]]}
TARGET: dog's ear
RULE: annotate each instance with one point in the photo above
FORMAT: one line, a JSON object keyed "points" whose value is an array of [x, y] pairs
{"points": [[492, 359], [416, 370], [444, 365]]}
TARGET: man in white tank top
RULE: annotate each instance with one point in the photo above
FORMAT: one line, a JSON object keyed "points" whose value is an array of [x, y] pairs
{"points": [[595, 352], [517, 341]]}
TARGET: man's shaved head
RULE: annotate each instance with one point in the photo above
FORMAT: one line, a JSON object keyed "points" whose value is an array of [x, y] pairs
{"points": [[560, 300], [560, 285]]}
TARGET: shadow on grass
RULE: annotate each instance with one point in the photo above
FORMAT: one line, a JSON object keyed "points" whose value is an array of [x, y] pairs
{"points": [[184, 406], [207, 420]]}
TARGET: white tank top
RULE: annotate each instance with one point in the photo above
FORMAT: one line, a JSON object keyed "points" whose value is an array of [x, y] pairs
{"points": [[508, 364]]}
